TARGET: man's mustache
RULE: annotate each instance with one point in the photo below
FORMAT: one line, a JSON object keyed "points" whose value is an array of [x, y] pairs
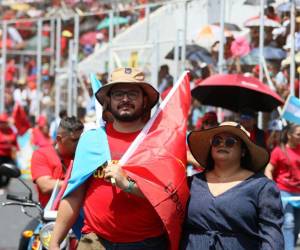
{"points": [[125, 104]]}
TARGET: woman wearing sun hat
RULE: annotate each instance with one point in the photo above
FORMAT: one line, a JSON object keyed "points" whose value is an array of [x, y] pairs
{"points": [[232, 204]]}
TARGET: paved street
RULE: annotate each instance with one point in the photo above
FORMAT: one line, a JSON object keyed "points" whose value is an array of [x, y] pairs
{"points": [[11, 218]]}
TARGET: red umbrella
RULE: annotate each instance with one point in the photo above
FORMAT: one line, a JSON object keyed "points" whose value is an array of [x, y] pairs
{"points": [[255, 22], [88, 38], [236, 92]]}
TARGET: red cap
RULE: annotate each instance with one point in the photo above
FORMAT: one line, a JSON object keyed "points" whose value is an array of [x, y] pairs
{"points": [[31, 85]]}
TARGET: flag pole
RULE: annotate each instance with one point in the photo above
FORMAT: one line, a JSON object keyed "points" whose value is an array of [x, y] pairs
{"points": [[271, 85], [222, 40], [221, 50], [261, 53], [281, 111], [286, 103], [292, 55], [3, 66]]}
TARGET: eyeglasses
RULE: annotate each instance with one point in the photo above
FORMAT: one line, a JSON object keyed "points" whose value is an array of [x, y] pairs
{"points": [[228, 141], [70, 137], [118, 95]]}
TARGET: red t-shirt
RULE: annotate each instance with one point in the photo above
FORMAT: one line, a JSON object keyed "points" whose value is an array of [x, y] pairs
{"points": [[282, 165], [113, 214], [8, 140], [46, 162]]}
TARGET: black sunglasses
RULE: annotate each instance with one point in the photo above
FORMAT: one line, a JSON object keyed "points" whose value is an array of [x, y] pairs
{"points": [[228, 141]]}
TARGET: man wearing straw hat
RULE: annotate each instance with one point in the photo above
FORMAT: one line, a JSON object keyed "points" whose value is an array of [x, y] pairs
{"points": [[117, 215]]}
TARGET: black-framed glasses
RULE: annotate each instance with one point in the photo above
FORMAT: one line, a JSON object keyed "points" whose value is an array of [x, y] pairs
{"points": [[118, 95], [227, 142]]}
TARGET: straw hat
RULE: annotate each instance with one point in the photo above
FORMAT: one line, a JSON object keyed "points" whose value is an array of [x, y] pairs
{"points": [[128, 76], [67, 33], [22, 81], [287, 61], [199, 144]]}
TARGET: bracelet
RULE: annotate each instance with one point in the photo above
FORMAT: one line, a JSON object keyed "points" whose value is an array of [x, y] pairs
{"points": [[130, 186]]}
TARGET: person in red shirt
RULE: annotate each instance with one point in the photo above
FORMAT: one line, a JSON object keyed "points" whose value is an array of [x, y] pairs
{"points": [[40, 136], [248, 121], [8, 145], [50, 163], [271, 14], [284, 169], [116, 216], [209, 120]]}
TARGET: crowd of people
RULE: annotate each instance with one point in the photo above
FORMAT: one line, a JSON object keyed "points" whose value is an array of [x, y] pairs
{"points": [[21, 83], [231, 167], [21, 44], [241, 56]]}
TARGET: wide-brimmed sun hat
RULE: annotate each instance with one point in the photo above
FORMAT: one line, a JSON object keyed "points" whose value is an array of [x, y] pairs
{"points": [[129, 76], [199, 144]]}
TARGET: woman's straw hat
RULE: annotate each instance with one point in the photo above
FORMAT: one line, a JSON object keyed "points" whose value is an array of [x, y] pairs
{"points": [[199, 144]]}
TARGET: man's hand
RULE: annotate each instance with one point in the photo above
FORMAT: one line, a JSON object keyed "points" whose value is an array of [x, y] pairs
{"points": [[113, 171]]}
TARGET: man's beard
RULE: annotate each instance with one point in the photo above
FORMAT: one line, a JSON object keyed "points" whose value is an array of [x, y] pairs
{"points": [[136, 115]]}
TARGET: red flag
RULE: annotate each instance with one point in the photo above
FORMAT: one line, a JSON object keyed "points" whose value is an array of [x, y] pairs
{"points": [[156, 159], [20, 119]]}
